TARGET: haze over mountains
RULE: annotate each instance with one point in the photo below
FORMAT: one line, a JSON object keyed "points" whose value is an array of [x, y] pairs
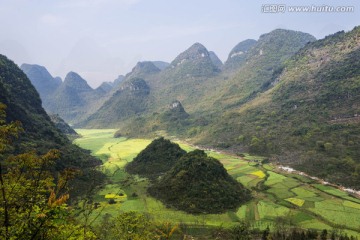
{"points": [[286, 95]]}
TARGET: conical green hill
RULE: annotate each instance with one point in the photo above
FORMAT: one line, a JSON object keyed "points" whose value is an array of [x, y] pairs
{"points": [[199, 184], [157, 158]]}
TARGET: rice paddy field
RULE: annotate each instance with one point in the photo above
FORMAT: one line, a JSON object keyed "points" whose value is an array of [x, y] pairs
{"points": [[277, 195]]}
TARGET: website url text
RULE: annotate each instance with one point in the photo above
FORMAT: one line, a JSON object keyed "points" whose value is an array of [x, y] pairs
{"points": [[282, 8]]}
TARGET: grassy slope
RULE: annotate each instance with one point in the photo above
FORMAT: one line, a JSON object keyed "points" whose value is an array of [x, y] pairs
{"points": [[276, 200]]}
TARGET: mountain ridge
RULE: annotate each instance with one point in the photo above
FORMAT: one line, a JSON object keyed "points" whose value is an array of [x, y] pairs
{"points": [[294, 120]]}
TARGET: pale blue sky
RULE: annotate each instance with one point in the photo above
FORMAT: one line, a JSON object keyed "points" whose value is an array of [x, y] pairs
{"points": [[101, 39]]}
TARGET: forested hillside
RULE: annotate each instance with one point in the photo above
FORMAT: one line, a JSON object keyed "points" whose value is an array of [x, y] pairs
{"points": [[23, 104], [309, 116]]}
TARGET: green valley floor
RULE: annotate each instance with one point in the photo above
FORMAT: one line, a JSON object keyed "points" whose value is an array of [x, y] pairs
{"points": [[277, 196]]}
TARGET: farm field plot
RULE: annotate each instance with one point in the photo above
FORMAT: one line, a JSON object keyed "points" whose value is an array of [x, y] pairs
{"points": [[338, 213], [94, 140], [290, 197], [336, 192], [270, 211], [304, 192]]}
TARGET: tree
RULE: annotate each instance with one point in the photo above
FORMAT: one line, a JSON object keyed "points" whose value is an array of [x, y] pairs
{"points": [[166, 230], [241, 231], [266, 233], [258, 145], [33, 204], [324, 234], [7, 131], [126, 226]]}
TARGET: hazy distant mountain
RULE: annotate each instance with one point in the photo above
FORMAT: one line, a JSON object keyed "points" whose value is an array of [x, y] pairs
{"points": [[263, 60], [215, 60], [70, 93], [194, 62], [131, 99], [42, 80], [118, 80], [185, 79], [190, 67], [127, 97], [76, 82], [208, 98], [238, 54], [192, 76], [58, 79], [105, 87], [74, 100], [161, 65], [142, 69]]}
